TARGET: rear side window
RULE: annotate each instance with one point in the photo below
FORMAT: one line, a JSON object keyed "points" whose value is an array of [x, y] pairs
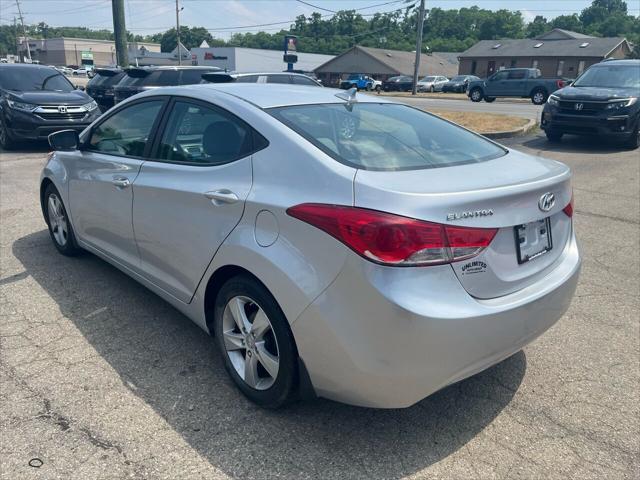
{"points": [[278, 79], [127, 131], [162, 78], [199, 134], [247, 79], [385, 136]]}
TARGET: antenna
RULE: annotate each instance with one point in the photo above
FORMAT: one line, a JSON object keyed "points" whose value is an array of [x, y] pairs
{"points": [[349, 96]]}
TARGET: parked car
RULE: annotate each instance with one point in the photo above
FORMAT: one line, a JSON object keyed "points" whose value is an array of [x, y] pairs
{"points": [[37, 100], [79, 72], [270, 77], [101, 86], [458, 84], [64, 70], [432, 84], [361, 82], [401, 83], [372, 254], [514, 82], [139, 79], [602, 101]]}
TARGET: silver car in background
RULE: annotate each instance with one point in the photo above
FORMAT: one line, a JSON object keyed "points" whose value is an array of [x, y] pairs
{"points": [[431, 84], [352, 248]]}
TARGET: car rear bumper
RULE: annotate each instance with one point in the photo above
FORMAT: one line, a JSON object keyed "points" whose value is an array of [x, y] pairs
{"points": [[388, 337], [615, 125]]}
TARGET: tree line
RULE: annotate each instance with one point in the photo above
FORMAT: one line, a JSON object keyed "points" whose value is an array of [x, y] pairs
{"points": [[453, 30]]}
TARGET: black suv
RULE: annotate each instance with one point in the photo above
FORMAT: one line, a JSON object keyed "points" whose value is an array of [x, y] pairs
{"points": [[139, 79], [602, 101], [100, 87], [37, 100]]}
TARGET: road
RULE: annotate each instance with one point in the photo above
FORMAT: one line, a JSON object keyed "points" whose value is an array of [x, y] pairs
{"points": [[506, 107], [101, 379]]}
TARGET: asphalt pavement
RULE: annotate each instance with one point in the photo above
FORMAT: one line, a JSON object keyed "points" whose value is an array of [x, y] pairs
{"points": [[100, 378], [502, 106]]}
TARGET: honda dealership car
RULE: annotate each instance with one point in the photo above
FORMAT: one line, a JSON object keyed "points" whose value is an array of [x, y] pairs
{"points": [[38, 100], [334, 244]]}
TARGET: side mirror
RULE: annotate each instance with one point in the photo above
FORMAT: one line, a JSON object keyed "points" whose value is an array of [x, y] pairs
{"points": [[79, 87], [64, 140]]}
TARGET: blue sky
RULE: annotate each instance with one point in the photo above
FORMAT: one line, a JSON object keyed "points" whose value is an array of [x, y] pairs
{"points": [[149, 16]]}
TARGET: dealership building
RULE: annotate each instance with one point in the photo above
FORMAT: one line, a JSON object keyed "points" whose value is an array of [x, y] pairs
{"points": [[245, 60], [80, 51], [558, 53], [382, 63]]}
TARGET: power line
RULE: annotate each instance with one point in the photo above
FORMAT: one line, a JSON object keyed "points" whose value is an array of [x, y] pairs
{"points": [[315, 6]]}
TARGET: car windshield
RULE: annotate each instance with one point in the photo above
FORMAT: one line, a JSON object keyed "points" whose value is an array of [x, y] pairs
{"points": [[389, 137], [610, 76], [458, 78], [428, 79], [29, 79]]}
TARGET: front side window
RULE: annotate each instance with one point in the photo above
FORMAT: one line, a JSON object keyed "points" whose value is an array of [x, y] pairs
{"points": [[30, 79], [501, 76], [127, 131], [199, 134], [517, 74], [278, 79], [301, 80], [385, 136]]}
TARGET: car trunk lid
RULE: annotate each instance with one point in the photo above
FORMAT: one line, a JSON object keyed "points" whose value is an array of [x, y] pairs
{"points": [[502, 193]]}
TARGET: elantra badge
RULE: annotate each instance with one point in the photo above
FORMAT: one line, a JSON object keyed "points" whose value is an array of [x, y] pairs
{"points": [[471, 214], [547, 201]]}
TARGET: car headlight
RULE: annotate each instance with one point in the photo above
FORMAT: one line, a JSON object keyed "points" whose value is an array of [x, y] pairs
{"points": [[553, 100], [90, 107], [626, 102], [22, 106]]}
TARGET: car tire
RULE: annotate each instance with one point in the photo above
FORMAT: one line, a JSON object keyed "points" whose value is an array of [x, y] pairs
{"points": [[58, 223], [538, 97], [553, 136], [378, 88], [369, 87], [246, 351], [6, 142], [489, 99], [476, 95], [633, 141]]}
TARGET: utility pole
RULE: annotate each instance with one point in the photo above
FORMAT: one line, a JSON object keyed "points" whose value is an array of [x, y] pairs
{"points": [[416, 68], [178, 32], [24, 31], [120, 33]]}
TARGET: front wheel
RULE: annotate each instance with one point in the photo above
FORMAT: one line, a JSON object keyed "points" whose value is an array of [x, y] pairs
{"points": [[256, 343], [378, 88], [538, 97], [476, 95], [60, 228], [489, 99], [553, 136], [6, 142]]}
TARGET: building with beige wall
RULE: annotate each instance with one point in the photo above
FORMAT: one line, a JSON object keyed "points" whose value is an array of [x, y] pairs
{"points": [[72, 51], [558, 53]]}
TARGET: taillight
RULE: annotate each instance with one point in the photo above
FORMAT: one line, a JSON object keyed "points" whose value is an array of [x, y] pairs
{"points": [[560, 84], [568, 210], [392, 239]]}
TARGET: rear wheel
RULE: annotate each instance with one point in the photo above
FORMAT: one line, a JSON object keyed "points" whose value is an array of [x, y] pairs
{"points": [[256, 343], [476, 95], [553, 136], [60, 228], [538, 97]]}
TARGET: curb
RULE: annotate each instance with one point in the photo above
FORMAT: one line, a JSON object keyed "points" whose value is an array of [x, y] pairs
{"points": [[512, 133]]}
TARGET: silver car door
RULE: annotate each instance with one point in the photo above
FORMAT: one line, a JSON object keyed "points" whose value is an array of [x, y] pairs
{"points": [[191, 195], [101, 178]]}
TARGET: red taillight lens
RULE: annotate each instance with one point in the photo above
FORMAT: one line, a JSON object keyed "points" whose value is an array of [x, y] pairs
{"points": [[568, 210], [560, 84], [392, 239]]}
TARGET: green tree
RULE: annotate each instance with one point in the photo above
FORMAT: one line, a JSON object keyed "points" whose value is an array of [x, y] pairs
{"points": [[537, 27]]}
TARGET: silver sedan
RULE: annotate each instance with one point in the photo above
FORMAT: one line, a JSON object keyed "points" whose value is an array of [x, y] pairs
{"points": [[337, 245]]}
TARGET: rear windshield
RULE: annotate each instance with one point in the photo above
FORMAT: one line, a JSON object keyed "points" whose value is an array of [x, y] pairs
{"points": [[376, 136], [610, 76], [28, 79], [101, 80]]}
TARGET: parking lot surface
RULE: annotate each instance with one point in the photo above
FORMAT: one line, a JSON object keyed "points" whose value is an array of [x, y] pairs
{"points": [[102, 379]]}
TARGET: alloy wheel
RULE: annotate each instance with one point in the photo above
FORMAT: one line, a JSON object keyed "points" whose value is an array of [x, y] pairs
{"points": [[57, 220], [250, 343], [538, 98]]}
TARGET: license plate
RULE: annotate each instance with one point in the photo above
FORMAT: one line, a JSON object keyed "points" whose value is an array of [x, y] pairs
{"points": [[533, 240]]}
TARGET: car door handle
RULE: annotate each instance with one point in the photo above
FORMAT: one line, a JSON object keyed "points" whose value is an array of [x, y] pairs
{"points": [[121, 182], [220, 197]]}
